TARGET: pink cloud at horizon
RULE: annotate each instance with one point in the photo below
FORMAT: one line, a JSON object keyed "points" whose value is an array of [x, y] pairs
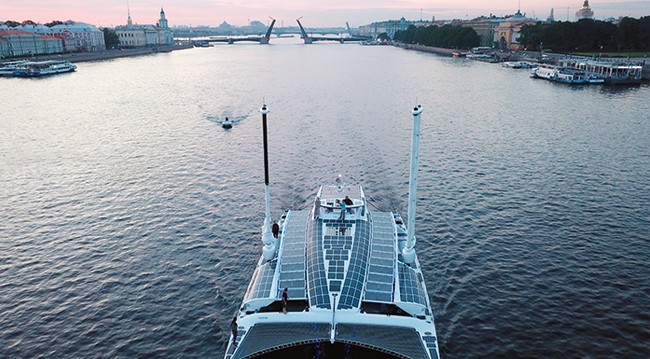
{"points": [[331, 13]]}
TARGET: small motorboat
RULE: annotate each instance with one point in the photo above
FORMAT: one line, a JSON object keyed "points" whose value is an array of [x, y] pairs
{"points": [[227, 123]]}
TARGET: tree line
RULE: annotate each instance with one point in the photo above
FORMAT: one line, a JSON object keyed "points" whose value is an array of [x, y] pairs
{"points": [[448, 36], [588, 35]]}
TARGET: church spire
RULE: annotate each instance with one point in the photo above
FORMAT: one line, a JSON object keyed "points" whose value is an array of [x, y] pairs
{"points": [[128, 11], [163, 21]]}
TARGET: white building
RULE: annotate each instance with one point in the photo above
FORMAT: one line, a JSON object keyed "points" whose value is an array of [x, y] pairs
{"points": [[145, 35], [390, 27]]}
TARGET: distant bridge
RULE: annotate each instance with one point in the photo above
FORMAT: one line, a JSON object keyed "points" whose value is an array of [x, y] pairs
{"points": [[264, 39], [310, 39], [231, 40]]}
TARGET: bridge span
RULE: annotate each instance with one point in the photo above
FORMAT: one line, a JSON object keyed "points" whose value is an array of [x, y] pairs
{"points": [[342, 39], [264, 39], [232, 39]]}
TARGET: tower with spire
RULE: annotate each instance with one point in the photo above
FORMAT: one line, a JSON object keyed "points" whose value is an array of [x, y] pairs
{"points": [[585, 11], [129, 22], [551, 17], [163, 21]]}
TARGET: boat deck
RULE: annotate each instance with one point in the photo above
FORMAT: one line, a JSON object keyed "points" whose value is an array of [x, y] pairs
{"points": [[346, 282]]}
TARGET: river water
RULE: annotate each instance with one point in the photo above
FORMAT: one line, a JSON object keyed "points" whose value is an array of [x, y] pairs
{"points": [[131, 220]]}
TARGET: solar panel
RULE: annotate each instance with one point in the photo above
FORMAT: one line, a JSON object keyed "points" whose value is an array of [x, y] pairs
{"points": [[410, 285], [292, 260], [262, 281], [316, 277], [337, 243], [355, 278], [381, 269]]}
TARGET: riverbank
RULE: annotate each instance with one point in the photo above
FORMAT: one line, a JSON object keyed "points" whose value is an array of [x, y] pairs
{"points": [[104, 55], [449, 52]]}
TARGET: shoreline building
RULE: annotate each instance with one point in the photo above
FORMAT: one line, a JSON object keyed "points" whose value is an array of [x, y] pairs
{"points": [[14, 43], [76, 36], [506, 35], [79, 36], [145, 35], [485, 27], [584, 12], [390, 27]]}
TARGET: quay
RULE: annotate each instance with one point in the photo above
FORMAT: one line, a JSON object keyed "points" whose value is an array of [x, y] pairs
{"points": [[105, 55], [557, 58]]}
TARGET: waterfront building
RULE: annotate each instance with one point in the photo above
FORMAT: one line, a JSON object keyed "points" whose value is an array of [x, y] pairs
{"points": [[584, 12], [145, 35], [24, 43], [390, 27], [506, 35], [79, 36], [484, 27], [76, 36]]}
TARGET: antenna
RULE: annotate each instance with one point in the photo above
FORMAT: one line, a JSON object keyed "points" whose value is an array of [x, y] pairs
{"points": [[267, 238], [408, 253]]}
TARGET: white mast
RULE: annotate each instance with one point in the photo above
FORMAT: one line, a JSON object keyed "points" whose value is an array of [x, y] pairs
{"points": [[408, 253], [267, 238]]}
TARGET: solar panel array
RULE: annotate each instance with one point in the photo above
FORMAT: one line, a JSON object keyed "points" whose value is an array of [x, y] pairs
{"points": [[292, 263], [262, 281], [410, 285], [337, 244], [355, 278], [316, 278], [381, 269]]}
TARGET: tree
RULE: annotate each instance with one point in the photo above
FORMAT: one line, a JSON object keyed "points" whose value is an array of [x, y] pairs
{"points": [[54, 22], [12, 23], [447, 36], [111, 39]]}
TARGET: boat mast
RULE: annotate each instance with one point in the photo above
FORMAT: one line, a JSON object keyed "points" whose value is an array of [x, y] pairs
{"points": [[267, 238], [408, 253]]}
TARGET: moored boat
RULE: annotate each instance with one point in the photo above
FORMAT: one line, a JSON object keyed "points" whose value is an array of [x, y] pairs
{"points": [[612, 72], [519, 64], [561, 75], [337, 280], [8, 68], [44, 68]]}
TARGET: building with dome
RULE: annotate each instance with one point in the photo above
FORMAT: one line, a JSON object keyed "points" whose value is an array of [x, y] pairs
{"points": [[506, 35], [585, 11]]}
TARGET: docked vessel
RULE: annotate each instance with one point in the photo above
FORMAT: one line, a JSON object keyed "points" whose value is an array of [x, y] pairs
{"points": [[8, 68], [44, 68], [611, 73], [353, 283], [561, 74], [519, 64]]}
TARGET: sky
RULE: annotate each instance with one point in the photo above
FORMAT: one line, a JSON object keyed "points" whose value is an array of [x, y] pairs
{"points": [[315, 13]]}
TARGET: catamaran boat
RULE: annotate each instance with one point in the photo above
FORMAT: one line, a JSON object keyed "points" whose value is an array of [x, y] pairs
{"points": [[355, 286], [44, 68]]}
